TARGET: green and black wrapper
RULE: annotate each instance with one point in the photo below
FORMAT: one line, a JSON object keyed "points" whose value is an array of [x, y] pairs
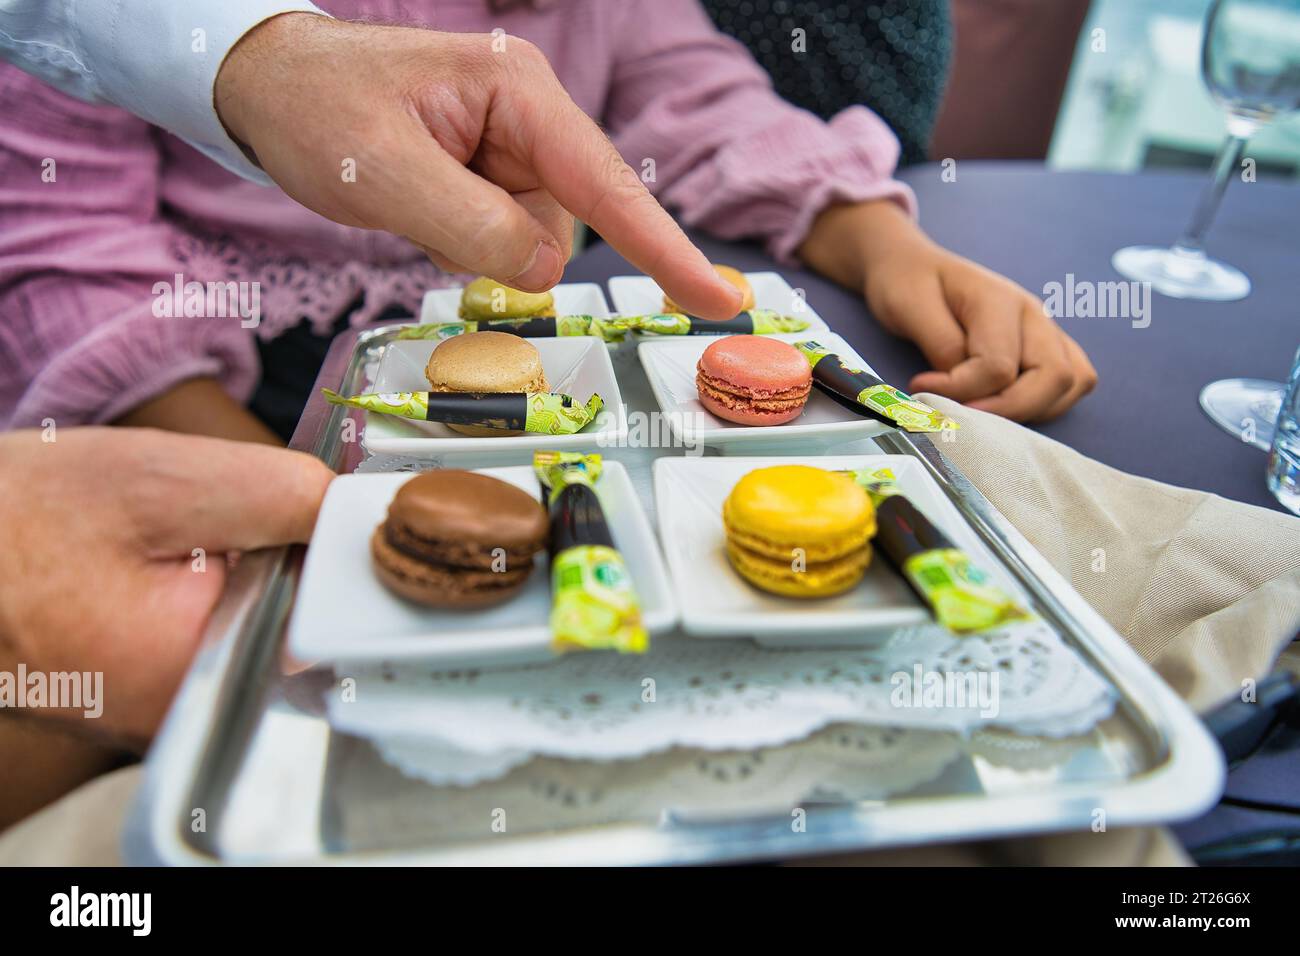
{"points": [[750, 322], [593, 603], [959, 593], [538, 327], [864, 393], [545, 413], [614, 328]]}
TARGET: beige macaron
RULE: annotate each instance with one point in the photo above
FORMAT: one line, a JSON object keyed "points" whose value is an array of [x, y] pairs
{"points": [[485, 362]]}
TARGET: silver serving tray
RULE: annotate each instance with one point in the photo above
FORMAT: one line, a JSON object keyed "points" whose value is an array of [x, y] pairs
{"points": [[247, 770]]}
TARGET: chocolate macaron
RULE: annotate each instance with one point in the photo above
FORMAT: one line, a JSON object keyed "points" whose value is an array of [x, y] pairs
{"points": [[458, 539], [753, 380]]}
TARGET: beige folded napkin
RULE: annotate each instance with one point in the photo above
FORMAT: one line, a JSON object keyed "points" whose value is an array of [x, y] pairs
{"points": [[1205, 589]]}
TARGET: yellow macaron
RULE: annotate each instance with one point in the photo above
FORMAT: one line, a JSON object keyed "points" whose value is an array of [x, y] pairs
{"points": [[815, 579], [488, 299], [798, 530]]}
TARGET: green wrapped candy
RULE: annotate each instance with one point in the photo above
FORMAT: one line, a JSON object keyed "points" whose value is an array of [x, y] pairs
{"points": [[593, 603], [962, 596], [611, 329], [539, 327], [864, 393], [543, 413], [752, 322]]}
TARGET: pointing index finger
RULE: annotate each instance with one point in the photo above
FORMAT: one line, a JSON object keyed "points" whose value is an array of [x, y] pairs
{"points": [[581, 168]]}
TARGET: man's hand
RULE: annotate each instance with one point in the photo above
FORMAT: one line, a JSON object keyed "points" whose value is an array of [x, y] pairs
{"points": [[116, 543], [990, 342], [466, 144]]}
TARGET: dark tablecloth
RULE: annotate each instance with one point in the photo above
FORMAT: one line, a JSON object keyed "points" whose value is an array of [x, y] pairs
{"points": [[1036, 226]]}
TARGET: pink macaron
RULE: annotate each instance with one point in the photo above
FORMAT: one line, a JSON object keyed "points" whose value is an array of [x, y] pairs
{"points": [[753, 380]]}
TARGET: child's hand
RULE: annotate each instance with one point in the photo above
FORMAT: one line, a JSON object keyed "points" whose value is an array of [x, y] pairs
{"points": [[990, 342], [199, 406]]}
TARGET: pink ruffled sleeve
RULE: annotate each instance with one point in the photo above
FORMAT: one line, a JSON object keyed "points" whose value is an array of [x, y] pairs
{"points": [[82, 246], [729, 155]]}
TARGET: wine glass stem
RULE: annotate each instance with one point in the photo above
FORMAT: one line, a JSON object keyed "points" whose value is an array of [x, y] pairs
{"points": [[1225, 164]]}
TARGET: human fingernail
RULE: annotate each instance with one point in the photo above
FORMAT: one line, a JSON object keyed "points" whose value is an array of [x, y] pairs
{"points": [[735, 294], [542, 270]]}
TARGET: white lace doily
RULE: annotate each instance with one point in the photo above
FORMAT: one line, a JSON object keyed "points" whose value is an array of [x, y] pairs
{"points": [[718, 695]]}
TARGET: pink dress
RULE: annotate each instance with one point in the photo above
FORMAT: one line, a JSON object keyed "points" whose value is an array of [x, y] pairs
{"points": [[99, 211]]}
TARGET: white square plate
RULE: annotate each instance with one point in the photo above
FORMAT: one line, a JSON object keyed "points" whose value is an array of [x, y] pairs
{"points": [[343, 612], [715, 601], [577, 366], [670, 368], [641, 295], [571, 298]]}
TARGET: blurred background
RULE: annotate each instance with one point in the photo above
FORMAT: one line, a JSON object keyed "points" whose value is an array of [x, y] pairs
{"points": [[1141, 103], [1109, 85], [1084, 84]]}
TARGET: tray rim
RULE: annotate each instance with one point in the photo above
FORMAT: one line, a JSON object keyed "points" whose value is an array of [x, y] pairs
{"points": [[212, 713]]}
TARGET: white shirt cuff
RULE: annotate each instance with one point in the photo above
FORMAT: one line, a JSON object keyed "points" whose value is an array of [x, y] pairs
{"points": [[160, 61]]}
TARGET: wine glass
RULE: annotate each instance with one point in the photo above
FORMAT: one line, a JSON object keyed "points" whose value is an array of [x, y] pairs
{"points": [[1284, 457], [1250, 61], [1246, 407]]}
